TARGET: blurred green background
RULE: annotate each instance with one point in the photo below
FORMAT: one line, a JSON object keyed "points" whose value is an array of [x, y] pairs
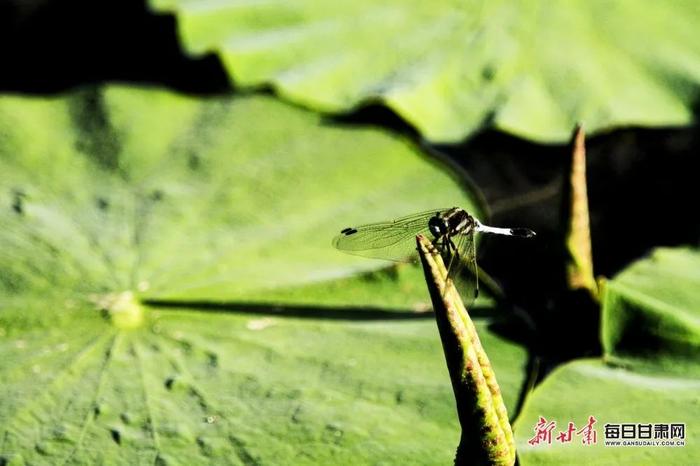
{"points": [[172, 173]]}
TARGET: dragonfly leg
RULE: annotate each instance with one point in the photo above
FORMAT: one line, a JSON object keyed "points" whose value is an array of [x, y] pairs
{"points": [[455, 251], [452, 257], [439, 243]]}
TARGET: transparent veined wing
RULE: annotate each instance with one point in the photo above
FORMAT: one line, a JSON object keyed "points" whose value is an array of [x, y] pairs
{"points": [[393, 240], [462, 269]]}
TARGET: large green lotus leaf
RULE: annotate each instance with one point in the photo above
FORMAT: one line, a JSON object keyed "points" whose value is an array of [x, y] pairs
{"points": [[651, 313], [114, 198], [650, 373], [450, 68], [195, 199]]}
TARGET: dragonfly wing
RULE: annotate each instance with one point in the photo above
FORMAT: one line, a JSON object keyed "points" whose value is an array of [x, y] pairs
{"points": [[462, 268], [394, 240]]}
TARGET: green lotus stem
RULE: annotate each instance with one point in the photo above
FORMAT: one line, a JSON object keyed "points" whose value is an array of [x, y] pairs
{"points": [[487, 438]]}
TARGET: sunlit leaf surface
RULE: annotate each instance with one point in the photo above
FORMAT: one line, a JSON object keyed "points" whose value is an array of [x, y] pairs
{"points": [[532, 68]]}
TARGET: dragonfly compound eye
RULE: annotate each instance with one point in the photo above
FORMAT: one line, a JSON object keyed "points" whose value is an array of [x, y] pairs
{"points": [[437, 226]]}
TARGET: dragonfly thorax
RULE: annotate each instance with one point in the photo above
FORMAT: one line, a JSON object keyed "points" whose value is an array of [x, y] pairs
{"points": [[450, 222]]}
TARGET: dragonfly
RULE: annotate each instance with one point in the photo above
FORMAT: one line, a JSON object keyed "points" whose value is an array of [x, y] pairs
{"points": [[452, 231]]}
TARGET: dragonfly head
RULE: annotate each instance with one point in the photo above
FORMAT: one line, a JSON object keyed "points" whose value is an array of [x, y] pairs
{"points": [[438, 226]]}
